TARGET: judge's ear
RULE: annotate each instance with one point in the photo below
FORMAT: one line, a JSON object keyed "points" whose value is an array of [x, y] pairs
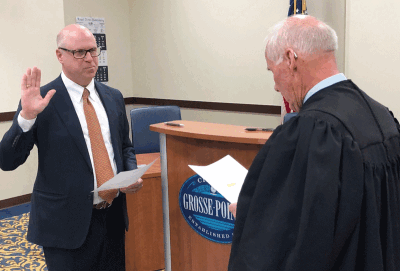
{"points": [[291, 59]]}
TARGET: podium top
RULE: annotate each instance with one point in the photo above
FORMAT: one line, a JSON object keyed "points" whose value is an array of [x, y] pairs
{"points": [[212, 131]]}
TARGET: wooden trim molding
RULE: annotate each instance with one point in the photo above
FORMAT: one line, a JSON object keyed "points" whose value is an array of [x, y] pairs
{"points": [[6, 203], [229, 107], [7, 116]]}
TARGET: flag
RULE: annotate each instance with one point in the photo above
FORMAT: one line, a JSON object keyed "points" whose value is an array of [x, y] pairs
{"points": [[295, 7]]}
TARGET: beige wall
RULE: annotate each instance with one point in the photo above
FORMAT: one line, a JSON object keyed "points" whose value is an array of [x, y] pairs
{"points": [[372, 49], [23, 44], [203, 50], [213, 51]]}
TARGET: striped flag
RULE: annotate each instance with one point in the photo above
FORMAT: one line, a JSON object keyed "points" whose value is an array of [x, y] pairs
{"points": [[295, 7]]}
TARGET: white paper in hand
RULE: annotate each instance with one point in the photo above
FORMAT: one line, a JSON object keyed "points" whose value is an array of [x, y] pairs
{"points": [[124, 178], [226, 175]]}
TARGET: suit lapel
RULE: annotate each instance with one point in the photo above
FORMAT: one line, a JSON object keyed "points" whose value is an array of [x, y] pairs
{"points": [[112, 113], [63, 105]]}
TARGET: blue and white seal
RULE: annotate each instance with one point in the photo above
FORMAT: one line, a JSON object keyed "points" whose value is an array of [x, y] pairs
{"points": [[206, 211]]}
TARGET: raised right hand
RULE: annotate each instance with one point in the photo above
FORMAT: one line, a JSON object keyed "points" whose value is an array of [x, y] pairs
{"points": [[31, 101]]}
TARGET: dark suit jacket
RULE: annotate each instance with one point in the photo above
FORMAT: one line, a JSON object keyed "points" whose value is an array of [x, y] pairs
{"points": [[62, 202]]}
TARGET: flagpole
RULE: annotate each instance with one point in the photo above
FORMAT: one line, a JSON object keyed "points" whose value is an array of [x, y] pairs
{"points": [[294, 7], [303, 8]]}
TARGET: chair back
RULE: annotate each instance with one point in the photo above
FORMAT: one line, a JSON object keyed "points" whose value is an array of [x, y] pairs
{"points": [[144, 140]]}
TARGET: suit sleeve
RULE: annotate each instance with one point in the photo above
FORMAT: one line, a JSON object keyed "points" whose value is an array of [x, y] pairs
{"points": [[303, 190], [128, 151], [16, 145]]}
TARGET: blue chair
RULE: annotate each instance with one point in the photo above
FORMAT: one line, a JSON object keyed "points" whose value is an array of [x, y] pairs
{"points": [[144, 140]]}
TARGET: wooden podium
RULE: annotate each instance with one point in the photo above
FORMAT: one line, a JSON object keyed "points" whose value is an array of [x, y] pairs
{"points": [[197, 143], [144, 239]]}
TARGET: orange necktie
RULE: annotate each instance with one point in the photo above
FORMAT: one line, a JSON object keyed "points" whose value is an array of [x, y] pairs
{"points": [[101, 160]]}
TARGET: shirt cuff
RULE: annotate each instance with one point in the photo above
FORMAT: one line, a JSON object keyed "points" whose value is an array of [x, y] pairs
{"points": [[25, 124]]}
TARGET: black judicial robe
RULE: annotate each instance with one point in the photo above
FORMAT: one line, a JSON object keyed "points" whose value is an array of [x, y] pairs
{"points": [[323, 193]]}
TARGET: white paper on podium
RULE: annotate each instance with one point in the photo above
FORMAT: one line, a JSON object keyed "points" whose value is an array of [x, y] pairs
{"points": [[226, 175], [124, 178]]}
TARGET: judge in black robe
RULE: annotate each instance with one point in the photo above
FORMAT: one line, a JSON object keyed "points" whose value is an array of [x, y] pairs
{"points": [[323, 193]]}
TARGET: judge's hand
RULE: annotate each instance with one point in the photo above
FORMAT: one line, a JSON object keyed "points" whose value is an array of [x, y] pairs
{"points": [[31, 101], [133, 188], [232, 208]]}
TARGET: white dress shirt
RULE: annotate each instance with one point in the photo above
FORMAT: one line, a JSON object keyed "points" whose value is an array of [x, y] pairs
{"points": [[75, 91]]}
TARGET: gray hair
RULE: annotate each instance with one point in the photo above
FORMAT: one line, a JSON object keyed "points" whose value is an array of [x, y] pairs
{"points": [[304, 38]]}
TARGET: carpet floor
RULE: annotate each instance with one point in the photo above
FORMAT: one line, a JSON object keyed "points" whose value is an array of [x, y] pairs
{"points": [[16, 253]]}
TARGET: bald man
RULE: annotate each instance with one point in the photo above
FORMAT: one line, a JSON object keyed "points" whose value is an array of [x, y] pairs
{"points": [[324, 191], [81, 132]]}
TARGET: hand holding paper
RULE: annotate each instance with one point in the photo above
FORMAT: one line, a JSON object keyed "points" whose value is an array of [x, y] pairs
{"points": [[133, 188], [124, 179], [226, 175]]}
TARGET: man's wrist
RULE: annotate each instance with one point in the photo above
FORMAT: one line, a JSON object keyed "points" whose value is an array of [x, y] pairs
{"points": [[24, 123], [27, 116]]}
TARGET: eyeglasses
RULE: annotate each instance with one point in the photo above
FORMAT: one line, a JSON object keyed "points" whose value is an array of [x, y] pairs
{"points": [[94, 52]]}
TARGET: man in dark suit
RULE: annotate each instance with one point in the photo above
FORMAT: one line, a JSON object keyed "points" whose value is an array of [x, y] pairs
{"points": [[81, 132]]}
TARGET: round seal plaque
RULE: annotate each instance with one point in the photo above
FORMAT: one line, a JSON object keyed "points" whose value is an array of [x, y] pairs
{"points": [[205, 210]]}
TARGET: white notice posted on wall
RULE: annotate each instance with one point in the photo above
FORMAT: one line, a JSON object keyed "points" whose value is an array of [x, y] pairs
{"points": [[226, 176]]}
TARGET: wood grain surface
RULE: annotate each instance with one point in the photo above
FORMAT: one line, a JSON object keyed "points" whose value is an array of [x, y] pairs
{"points": [[213, 131], [144, 248], [189, 250]]}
